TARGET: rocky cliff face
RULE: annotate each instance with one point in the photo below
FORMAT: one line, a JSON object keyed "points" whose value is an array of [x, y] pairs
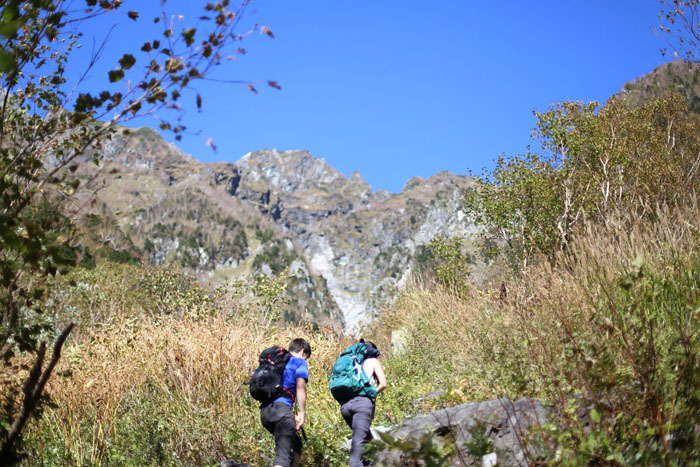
{"points": [[349, 248]]}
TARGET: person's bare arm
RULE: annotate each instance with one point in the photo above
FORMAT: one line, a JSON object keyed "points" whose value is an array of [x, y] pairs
{"points": [[381, 377], [300, 417]]}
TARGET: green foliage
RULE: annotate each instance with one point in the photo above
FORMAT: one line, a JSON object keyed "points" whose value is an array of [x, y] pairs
{"points": [[204, 234], [259, 301], [118, 256], [275, 254], [678, 76], [613, 342], [265, 236], [451, 264], [271, 292], [596, 162], [42, 144], [425, 451], [114, 292]]}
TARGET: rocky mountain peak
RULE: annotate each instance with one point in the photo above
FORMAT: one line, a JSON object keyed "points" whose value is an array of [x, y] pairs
{"points": [[348, 249], [290, 171], [359, 182], [145, 150]]}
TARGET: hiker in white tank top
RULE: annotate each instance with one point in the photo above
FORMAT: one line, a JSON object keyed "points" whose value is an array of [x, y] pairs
{"points": [[358, 412], [368, 366]]}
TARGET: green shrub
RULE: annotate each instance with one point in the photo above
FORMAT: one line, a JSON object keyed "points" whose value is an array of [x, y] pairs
{"points": [[610, 337]]}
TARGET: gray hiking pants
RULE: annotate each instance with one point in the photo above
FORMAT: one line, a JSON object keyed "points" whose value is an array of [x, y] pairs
{"points": [[278, 419], [358, 413]]}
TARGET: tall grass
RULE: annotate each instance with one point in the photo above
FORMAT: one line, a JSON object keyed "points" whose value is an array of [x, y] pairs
{"points": [[609, 334], [172, 392], [156, 373], [442, 361]]}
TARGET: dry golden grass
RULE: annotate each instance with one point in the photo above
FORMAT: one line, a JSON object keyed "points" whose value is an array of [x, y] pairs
{"points": [[489, 340], [169, 389], [188, 373]]}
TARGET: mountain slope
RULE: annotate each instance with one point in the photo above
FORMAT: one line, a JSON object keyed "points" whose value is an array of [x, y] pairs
{"points": [[348, 248], [677, 76]]}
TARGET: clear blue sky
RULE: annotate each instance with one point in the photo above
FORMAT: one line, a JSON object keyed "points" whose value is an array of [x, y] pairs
{"points": [[394, 89]]}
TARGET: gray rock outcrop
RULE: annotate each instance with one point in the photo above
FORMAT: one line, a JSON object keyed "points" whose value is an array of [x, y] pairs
{"points": [[503, 422]]}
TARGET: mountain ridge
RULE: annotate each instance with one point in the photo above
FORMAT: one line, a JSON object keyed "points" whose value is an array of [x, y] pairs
{"points": [[347, 248]]}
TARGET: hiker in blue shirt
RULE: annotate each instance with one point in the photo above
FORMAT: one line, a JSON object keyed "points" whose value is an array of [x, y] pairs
{"points": [[278, 416]]}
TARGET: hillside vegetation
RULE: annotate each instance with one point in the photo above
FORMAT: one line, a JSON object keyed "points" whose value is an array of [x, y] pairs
{"points": [[570, 274], [156, 373], [591, 304]]}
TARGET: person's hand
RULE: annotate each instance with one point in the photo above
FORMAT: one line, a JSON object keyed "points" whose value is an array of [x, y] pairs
{"points": [[300, 419]]}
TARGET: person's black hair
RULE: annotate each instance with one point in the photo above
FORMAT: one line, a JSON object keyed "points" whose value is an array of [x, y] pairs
{"points": [[300, 344], [370, 344]]}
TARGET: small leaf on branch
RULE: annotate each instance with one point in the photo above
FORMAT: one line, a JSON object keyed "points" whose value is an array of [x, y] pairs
{"points": [[10, 12], [173, 65], [51, 33], [77, 117], [8, 62], [252, 88], [135, 107], [84, 102], [273, 84], [116, 75], [199, 102], [188, 35], [210, 142], [146, 47], [127, 61], [133, 14], [268, 31]]}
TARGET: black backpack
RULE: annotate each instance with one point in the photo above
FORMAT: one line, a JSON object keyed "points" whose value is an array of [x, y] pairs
{"points": [[266, 382]]}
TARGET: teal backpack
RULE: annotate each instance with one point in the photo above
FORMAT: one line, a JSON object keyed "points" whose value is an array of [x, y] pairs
{"points": [[348, 379]]}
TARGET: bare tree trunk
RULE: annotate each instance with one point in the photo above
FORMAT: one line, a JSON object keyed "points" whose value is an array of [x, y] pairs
{"points": [[33, 388]]}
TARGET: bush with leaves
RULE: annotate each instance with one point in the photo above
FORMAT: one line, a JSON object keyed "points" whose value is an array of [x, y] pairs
{"points": [[49, 124], [596, 162], [452, 265], [610, 336]]}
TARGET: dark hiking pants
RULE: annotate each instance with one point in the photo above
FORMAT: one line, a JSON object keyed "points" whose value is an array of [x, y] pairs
{"points": [[278, 419], [358, 413]]}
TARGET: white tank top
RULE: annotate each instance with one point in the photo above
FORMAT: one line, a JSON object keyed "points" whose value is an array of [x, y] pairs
{"points": [[368, 367]]}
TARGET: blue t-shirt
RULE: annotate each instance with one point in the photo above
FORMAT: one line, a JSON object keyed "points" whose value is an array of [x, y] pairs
{"points": [[296, 368]]}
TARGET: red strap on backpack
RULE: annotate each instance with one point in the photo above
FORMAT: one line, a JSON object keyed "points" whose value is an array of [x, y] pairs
{"points": [[288, 391]]}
